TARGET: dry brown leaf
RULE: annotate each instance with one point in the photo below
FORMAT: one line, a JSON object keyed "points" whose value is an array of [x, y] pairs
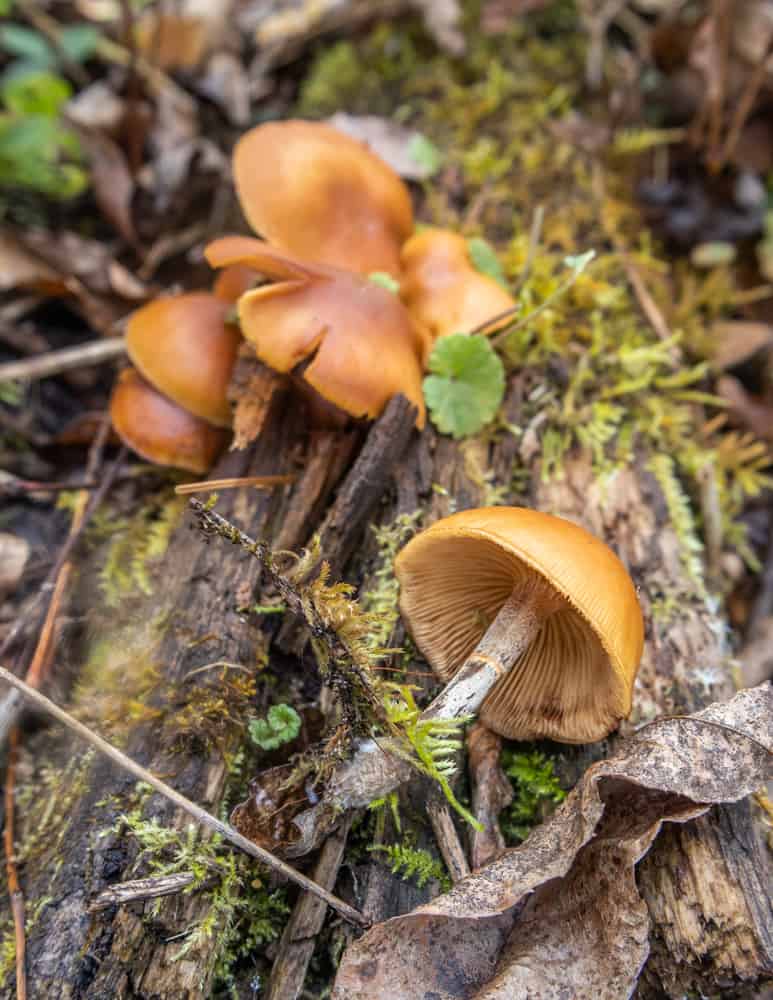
{"points": [[14, 553], [561, 916], [387, 139], [21, 268], [736, 341], [112, 181], [756, 413]]}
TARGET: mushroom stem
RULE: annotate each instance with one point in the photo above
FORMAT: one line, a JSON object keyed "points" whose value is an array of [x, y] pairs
{"points": [[509, 635], [372, 773]]}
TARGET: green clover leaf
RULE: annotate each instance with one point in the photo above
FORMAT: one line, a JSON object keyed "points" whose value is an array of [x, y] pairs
{"points": [[466, 384]]}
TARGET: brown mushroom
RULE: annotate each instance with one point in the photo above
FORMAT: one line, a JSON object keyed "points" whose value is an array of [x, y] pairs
{"points": [[184, 347], [443, 290], [316, 192], [533, 603], [350, 339], [159, 430]]}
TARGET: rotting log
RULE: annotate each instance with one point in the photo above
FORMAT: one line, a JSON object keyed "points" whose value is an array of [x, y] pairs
{"points": [[122, 953]]}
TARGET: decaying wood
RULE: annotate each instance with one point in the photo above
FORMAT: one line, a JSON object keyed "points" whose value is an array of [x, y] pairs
{"points": [[76, 954], [447, 837], [297, 942], [491, 792]]}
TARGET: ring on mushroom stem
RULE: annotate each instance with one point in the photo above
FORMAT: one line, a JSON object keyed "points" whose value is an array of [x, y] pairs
{"points": [[560, 655]]}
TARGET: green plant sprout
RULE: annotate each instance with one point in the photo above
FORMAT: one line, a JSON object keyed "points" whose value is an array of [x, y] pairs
{"points": [[433, 743], [281, 725], [411, 862]]}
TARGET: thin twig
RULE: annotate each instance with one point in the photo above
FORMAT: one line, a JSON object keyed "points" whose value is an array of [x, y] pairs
{"points": [[141, 888], [744, 107], [535, 234], [200, 815], [42, 365], [14, 889], [259, 482]]}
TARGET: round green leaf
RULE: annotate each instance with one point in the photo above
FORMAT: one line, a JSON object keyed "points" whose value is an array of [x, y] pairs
{"points": [[466, 384]]}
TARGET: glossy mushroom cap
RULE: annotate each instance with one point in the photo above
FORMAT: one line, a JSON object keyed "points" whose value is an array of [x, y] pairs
{"points": [[443, 290], [356, 339], [159, 430], [575, 681], [314, 191], [232, 282], [183, 346]]}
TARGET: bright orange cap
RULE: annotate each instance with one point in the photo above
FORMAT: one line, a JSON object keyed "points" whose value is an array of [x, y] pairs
{"points": [[575, 681], [232, 282], [183, 346], [359, 342], [160, 430], [443, 290], [313, 191]]}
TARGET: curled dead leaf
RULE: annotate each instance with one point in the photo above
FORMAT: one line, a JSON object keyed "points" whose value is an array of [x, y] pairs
{"points": [[561, 916]]}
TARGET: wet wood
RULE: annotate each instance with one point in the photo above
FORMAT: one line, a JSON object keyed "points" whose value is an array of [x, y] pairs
{"points": [[122, 953]]}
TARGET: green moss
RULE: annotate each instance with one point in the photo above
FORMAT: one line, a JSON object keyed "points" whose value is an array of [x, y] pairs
{"points": [[240, 912], [380, 599], [536, 792], [414, 863]]}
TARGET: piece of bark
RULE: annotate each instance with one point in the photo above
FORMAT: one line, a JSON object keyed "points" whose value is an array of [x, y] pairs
{"points": [[296, 945], [491, 793], [447, 837]]}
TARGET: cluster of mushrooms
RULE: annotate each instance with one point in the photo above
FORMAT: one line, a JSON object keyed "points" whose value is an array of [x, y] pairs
{"points": [[531, 619], [334, 220]]}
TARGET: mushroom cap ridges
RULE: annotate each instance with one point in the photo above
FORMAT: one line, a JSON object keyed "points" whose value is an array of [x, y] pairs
{"points": [[443, 290], [159, 430], [318, 193], [183, 346], [575, 681]]}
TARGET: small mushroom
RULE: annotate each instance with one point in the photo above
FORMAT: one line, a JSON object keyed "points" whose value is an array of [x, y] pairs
{"points": [[348, 338], [534, 605], [159, 430], [443, 290], [232, 282], [184, 347], [313, 191]]}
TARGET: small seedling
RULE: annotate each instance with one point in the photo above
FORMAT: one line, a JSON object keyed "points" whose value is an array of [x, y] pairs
{"points": [[281, 725]]}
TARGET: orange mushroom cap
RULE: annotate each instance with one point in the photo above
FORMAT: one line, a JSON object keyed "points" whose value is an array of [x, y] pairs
{"points": [[232, 282], [359, 342], [575, 680], [183, 346], [316, 192], [443, 290], [159, 430]]}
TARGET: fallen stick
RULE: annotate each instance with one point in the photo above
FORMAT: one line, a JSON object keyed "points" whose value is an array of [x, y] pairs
{"points": [[55, 362], [199, 814]]}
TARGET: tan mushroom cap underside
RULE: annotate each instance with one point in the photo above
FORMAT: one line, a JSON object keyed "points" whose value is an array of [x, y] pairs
{"points": [[184, 347], [316, 192], [159, 430], [575, 681]]}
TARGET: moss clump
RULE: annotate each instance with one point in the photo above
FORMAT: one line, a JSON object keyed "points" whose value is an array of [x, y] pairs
{"points": [[380, 599], [239, 912], [536, 791]]}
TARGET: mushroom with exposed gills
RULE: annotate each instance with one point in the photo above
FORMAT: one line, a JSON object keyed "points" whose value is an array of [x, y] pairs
{"points": [[350, 339], [159, 430], [531, 613], [443, 290], [183, 346], [314, 191]]}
